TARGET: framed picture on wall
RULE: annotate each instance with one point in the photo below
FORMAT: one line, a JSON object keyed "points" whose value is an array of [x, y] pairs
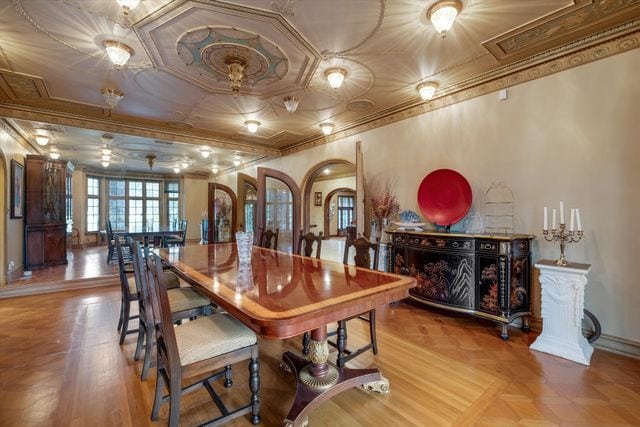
{"points": [[318, 198], [17, 189]]}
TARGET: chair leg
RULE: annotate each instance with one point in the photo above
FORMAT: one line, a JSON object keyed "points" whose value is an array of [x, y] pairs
{"points": [[175, 390], [254, 384], [157, 400], [342, 343], [305, 343], [148, 349], [372, 331], [109, 254], [125, 321], [121, 313], [141, 337], [228, 382]]}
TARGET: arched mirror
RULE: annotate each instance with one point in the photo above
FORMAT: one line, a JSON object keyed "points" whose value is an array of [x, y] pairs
{"points": [[247, 203], [222, 204]]}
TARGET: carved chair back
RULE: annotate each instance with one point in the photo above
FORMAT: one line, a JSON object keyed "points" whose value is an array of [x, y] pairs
{"points": [[305, 244], [269, 238], [123, 253], [363, 248]]}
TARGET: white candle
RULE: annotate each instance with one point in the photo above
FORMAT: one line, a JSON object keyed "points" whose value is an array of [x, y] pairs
{"points": [[561, 212], [546, 223], [553, 219], [578, 219], [573, 217]]}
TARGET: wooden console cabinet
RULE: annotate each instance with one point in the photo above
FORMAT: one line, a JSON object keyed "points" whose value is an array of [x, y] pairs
{"points": [[487, 276], [45, 235]]}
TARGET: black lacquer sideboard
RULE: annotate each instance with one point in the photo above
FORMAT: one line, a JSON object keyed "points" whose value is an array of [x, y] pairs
{"points": [[483, 275]]}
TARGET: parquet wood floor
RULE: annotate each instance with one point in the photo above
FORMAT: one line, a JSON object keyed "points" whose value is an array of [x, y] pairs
{"points": [[61, 365]]}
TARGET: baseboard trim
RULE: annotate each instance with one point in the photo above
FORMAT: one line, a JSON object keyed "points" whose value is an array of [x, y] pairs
{"points": [[13, 290], [15, 273]]}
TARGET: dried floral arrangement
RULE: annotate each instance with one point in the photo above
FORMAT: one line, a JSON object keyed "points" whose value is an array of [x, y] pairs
{"points": [[382, 202]]}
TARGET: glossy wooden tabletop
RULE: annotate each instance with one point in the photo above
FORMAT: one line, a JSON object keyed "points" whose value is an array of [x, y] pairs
{"points": [[282, 295]]}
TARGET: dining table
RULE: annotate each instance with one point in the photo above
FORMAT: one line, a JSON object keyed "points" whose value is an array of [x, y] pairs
{"points": [[149, 233], [281, 295]]}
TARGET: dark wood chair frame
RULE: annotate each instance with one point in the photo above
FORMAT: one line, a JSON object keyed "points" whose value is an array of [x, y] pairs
{"points": [[111, 239], [127, 296], [178, 240], [305, 244], [362, 259], [170, 371], [146, 321], [267, 237]]}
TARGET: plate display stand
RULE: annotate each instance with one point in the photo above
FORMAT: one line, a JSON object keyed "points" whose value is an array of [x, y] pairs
{"points": [[498, 209]]}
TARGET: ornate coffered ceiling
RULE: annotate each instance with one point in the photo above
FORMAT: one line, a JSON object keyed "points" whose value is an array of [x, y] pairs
{"points": [[53, 65]]}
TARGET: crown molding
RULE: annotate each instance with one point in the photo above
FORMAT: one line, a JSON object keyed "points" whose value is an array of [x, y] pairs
{"points": [[17, 135]]}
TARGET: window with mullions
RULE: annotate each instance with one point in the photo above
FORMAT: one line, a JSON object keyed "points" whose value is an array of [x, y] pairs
{"points": [[69, 202], [133, 204], [116, 204], [93, 204], [172, 188], [345, 211]]}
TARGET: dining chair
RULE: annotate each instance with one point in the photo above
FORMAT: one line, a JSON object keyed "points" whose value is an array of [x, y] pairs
{"points": [[179, 239], [305, 243], [128, 288], [111, 242], [362, 259], [207, 345], [268, 238], [185, 303]]}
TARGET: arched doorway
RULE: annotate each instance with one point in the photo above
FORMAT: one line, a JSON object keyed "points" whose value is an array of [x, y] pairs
{"points": [[338, 168], [247, 201], [339, 215], [3, 220], [223, 206], [278, 207]]}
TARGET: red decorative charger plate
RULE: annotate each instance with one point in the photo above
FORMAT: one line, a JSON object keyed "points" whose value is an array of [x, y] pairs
{"points": [[444, 197]]}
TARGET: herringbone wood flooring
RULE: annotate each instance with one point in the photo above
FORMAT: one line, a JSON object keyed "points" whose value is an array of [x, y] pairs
{"points": [[61, 365]]}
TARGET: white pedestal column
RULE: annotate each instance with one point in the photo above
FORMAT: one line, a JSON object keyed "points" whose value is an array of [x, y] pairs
{"points": [[562, 311]]}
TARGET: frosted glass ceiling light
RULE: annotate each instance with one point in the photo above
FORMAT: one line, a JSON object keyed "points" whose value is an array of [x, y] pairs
{"points": [[252, 125], [128, 5], [42, 140], [335, 76], [237, 160], [54, 153], [327, 128], [176, 169], [215, 169], [112, 96], [442, 14], [105, 158], [184, 164], [205, 153], [291, 103], [104, 164], [106, 151], [427, 90], [119, 53]]}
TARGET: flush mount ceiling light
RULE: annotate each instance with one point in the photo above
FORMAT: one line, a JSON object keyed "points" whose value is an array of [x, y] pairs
{"points": [[128, 5], [104, 164], [185, 164], [327, 128], [176, 169], [235, 71], [112, 96], [215, 169], [105, 158], [106, 151], [327, 171], [205, 152], [237, 160], [54, 153], [119, 53], [252, 125], [106, 138], [291, 103], [335, 76], [42, 140], [442, 14], [427, 90]]}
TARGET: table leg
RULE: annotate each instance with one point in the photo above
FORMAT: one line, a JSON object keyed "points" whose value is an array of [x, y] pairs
{"points": [[318, 380]]}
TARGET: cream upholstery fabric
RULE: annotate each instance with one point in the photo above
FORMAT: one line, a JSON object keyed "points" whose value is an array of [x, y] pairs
{"points": [[211, 336], [172, 280], [132, 285], [185, 299]]}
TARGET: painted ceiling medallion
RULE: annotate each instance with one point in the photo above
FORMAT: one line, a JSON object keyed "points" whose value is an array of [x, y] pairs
{"points": [[229, 54]]}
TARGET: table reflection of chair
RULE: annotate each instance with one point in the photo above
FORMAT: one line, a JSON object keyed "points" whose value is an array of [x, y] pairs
{"points": [[268, 238], [305, 244], [179, 239]]}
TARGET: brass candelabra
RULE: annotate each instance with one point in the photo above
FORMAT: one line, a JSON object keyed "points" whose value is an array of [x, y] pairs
{"points": [[564, 237]]}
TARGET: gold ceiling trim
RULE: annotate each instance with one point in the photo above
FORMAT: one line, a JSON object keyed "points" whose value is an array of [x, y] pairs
{"points": [[153, 130], [9, 128], [589, 54]]}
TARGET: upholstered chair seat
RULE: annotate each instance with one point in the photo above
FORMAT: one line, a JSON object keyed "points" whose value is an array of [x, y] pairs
{"points": [[181, 299]]}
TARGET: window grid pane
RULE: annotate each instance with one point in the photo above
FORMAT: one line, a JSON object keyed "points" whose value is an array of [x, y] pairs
{"points": [[116, 188], [93, 214], [173, 207], [117, 214], [153, 189], [93, 186], [136, 216], [153, 213], [135, 188]]}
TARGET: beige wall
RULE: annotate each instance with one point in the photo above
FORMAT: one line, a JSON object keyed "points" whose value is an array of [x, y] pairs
{"points": [[195, 199], [317, 212], [14, 238], [572, 136]]}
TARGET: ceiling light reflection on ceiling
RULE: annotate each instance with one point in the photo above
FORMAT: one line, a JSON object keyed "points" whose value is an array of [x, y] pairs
{"points": [[128, 5], [184, 164], [112, 96], [215, 169], [176, 169], [119, 53], [205, 152], [252, 125], [54, 153], [427, 90], [42, 140], [291, 103], [442, 14], [106, 151], [327, 171], [105, 158], [335, 76], [237, 160], [104, 164], [327, 128]]}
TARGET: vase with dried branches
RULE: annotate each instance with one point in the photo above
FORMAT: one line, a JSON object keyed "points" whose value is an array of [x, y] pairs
{"points": [[382, 204]]}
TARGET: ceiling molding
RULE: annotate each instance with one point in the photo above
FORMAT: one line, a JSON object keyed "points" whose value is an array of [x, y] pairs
{"points": [[19, 137], [592, 53]]}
